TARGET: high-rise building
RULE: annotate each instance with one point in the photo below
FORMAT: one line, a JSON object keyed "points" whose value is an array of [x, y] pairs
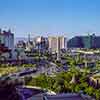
{"points": [[7, 38], [53, 44], [62, 42], [57, 43]]}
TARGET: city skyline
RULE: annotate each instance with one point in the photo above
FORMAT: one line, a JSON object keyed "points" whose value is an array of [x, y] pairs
{"points": [[50, 17]]}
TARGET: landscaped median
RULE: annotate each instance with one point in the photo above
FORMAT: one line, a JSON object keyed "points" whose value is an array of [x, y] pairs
{"points": [[8, 70]]}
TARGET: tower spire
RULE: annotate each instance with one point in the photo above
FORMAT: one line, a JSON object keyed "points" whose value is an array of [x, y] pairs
{"points": [[28, 37]]}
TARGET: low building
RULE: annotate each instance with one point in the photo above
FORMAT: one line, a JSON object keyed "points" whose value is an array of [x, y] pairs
{"points": [[21, 44], [19, 53]]}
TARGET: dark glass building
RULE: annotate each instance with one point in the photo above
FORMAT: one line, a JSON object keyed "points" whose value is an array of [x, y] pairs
{"points": [[75, 42], [89, 41], [95, 42]]}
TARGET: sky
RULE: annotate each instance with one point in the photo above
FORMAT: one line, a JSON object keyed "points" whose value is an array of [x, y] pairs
{"points": [[50, 17]]}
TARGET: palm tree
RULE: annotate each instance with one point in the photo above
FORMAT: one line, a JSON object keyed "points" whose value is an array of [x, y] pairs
{"points": [[78, 88], [59, 85], [97, 94], [85, 60], [90, 91], [73, 81]]}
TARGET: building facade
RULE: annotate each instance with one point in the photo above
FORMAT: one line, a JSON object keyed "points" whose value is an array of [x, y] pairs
{"points": [[7, 38], [57, 43], [75, 42], [41, 43], [87, 42]]}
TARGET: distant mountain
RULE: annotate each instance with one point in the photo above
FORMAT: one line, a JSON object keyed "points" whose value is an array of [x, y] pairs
{"points": [[21, 38]]}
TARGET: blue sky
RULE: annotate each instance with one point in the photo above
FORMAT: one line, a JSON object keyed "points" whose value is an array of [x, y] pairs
{"points": [[52, 17]]}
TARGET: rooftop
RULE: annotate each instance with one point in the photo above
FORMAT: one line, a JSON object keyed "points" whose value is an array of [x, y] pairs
{"points": [[4, 32]]}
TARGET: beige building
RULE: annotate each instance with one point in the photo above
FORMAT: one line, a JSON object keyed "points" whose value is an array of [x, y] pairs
{"points": [[56, 43]]}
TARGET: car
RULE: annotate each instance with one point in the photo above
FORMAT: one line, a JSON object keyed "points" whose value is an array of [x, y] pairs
{"points": [[15, 75]]}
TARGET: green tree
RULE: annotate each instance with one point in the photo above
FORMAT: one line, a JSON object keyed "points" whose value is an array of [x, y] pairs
{"points": [[97, 94], [90, 90]]}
